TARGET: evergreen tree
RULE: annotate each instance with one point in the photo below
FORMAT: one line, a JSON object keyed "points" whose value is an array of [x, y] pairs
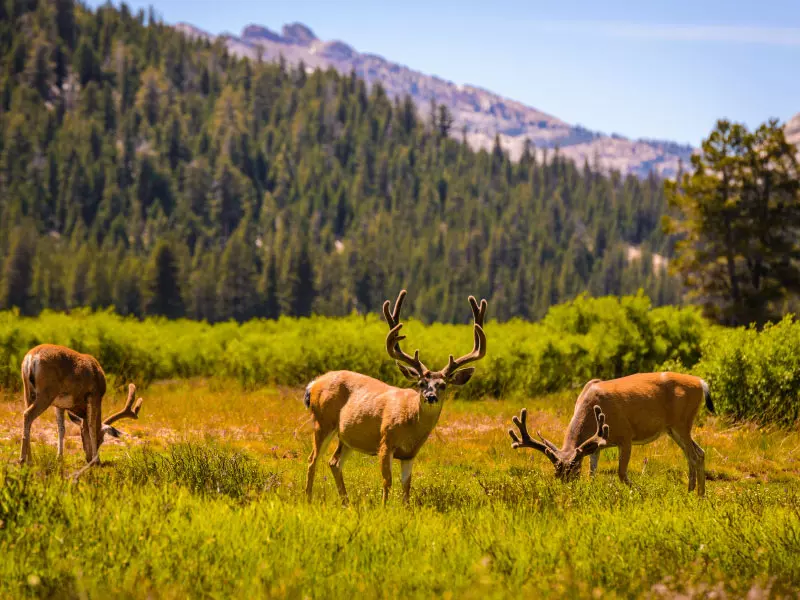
{"points": [[161, 291], [303, 290], [18, 271], [739, 218], [236, 292], [268, 290]]}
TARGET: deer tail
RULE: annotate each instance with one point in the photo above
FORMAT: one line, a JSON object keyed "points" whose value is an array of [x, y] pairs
{"points": [[707, 396], [307, 396]]}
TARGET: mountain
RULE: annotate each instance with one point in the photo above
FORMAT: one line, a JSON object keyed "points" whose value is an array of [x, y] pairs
{"points": [[481, 112], [792, 129]]}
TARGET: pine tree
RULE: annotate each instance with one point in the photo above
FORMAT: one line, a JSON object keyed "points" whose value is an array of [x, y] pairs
{"points": [[18, 271], [236, 292], [203, 301], [739, 218], [127, 294], [303, 289], [268, 290], [161, 291]]}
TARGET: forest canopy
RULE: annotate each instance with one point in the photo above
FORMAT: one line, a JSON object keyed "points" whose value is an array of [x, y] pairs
{"points": [[160, 175]]}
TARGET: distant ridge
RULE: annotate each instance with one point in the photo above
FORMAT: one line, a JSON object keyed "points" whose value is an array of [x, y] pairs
{"points": [[482, 112]]}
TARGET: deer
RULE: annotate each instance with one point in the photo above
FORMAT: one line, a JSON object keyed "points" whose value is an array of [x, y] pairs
{"points": [[74, 384], [375, 418], [632, 410]]}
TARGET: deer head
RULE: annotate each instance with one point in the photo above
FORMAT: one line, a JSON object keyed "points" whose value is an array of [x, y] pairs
{"points": [[433, 383], [131, 411], [566, 461]]}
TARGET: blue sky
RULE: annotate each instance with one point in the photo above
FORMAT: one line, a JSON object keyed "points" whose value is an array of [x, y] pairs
{"points": [[649, 68]]}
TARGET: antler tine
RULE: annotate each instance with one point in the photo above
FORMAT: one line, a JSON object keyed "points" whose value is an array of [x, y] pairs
{"points": [[131, 410], [394, 337], [525, 440], [478, 311], [479, 343], [393, 316], [600, 438]]}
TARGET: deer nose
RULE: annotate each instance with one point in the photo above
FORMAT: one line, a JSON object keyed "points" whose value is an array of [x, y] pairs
{"points": [[430, 397]]}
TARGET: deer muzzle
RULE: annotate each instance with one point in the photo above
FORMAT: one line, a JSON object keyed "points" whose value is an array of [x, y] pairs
{"points": [[430, 397]]}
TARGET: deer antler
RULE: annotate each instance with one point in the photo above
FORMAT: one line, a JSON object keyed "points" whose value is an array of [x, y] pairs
{"points": [[394, 337], [131, 410], [546, 448], [479, 344], [599, 439]]}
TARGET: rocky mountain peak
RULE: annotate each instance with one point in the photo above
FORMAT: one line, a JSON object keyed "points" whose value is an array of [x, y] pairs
{"points": [[482, 114], [299, 34], [261, 32]]}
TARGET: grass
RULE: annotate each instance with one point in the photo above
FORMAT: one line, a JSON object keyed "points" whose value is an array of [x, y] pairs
{"points": [[204, 499]]}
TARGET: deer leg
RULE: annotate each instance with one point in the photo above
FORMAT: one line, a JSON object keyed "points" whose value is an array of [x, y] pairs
{"points": [[593, 460], [688, 452], [386, 455], [406, 467], [92, 423], [85, 440], [321, 440], [62, 430], [700, 466], [28, 417], [336, 462], [624, 459]]}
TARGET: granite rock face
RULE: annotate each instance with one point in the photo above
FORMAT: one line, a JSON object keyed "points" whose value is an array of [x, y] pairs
{"points": [[482, 113]]}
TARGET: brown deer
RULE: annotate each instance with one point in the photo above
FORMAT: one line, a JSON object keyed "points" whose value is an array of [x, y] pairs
{"points": [[75, 384], [372, 417], [637, 409]]}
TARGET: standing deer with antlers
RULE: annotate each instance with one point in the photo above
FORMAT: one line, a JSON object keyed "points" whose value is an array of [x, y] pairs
{"points": [[74, 384], [639, 409], [372, 417]]}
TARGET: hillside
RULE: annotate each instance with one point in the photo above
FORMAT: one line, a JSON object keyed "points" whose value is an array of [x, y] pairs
{"points": [[792, 129], [480, 111], [164, 176]]}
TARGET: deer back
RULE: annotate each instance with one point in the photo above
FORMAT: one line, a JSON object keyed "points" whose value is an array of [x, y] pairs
{"points": [[58, 371], [638, 407]]}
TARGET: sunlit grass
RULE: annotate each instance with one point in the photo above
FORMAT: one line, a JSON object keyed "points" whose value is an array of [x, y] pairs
{"points": [[204, 499]]}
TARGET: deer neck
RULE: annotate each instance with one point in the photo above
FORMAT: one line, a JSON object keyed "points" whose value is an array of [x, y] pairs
{"points": [[580, 428], [428, 413], [572, 437]]}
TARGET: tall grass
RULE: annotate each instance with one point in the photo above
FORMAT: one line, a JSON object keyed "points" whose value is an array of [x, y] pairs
{"points": [[486, 532], [205, 499]]}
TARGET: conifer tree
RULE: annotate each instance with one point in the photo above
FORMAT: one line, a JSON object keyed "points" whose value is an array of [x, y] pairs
{"points": [[161, 291]]}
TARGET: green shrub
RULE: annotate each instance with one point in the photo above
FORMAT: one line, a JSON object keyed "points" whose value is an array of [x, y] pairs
{"points": [[754, 375], [589, 337]]}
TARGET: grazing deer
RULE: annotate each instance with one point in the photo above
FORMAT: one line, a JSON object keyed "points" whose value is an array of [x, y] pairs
{"points": [[638, 409], [73, 383], [372, 417]]}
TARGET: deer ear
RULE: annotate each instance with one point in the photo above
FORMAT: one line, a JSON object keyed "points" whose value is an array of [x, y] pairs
{"points": [[408, 372], [461, 377], [112, 431]]}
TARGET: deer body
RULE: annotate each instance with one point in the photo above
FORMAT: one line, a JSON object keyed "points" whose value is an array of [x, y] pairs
{"points": [[373, 417], [638, 409], [74, 384], [364, 411]]}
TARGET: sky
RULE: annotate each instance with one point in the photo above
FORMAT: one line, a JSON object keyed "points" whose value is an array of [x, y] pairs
{"points": [[650, 68]]}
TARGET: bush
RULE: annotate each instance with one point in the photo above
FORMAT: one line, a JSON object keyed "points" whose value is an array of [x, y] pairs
{"points": [[754, 375], [589, 337]]}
